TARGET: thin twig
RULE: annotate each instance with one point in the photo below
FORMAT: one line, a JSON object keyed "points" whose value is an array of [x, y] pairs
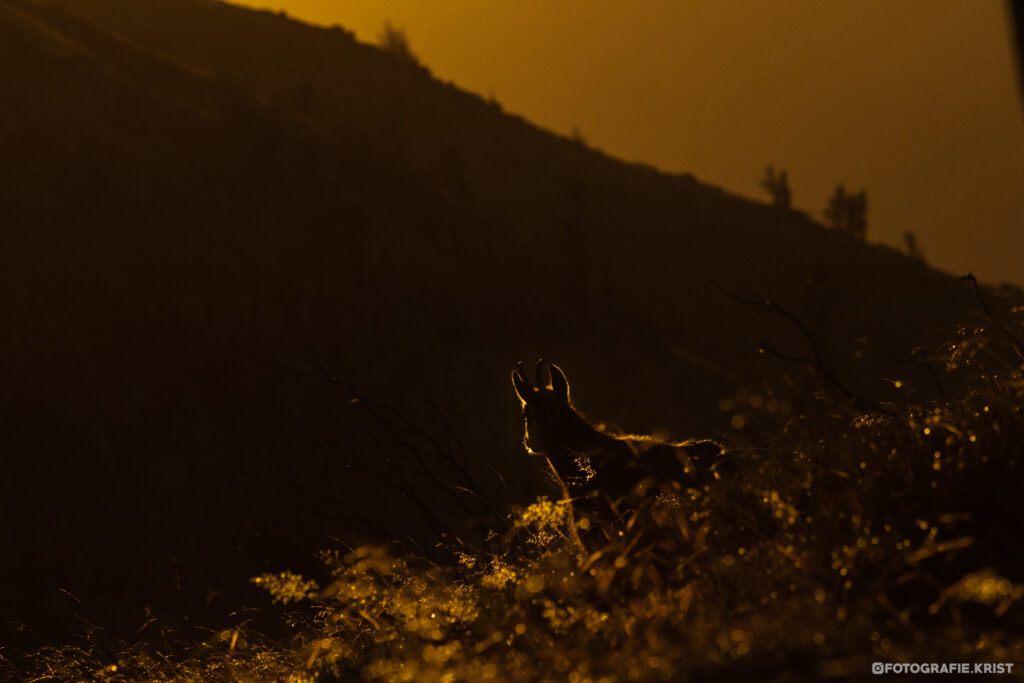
{"points": [[817, 362], [984, 305], [399, 428]]}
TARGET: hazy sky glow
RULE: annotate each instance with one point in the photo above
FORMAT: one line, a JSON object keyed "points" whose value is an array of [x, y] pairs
{"points": [[915, 100]]}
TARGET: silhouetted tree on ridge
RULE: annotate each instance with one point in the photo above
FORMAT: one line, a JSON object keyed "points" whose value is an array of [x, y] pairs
{"points": [[777, 185], [393, 40], [912, 246], [848, 212]]}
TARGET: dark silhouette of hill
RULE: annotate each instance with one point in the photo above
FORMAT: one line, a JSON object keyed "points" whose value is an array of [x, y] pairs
{"points": [[201, 203]]}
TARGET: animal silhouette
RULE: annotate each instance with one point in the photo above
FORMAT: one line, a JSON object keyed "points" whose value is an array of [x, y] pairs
{"points": [[588, 459]]}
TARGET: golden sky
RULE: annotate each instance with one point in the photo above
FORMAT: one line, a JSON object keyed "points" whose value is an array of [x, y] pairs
{"points": [[914, 100]]}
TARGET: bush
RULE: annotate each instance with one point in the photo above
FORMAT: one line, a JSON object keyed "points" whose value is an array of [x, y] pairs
{"points": [[394, 41]]}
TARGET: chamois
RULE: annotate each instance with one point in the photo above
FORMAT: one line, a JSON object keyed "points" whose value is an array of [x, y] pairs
{"points": [[588, 459]]}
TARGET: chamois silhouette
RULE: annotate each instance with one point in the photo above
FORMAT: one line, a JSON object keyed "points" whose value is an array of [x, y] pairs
{"points": [[588, 459]]}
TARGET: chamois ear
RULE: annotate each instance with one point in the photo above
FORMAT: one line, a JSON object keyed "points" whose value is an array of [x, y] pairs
{"points": [[521, 385], [538, 375], [559, 384]]}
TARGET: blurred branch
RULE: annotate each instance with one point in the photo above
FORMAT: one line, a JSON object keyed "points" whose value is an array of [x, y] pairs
{"points": [[816, 361], [988, 312], [444, 465]]}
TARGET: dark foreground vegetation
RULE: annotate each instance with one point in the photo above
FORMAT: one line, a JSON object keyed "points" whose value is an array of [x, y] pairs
{"points": [[845, 536]]}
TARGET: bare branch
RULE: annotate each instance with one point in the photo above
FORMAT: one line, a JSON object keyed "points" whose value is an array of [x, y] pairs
{"points": [[988, 312], [817, 362]]}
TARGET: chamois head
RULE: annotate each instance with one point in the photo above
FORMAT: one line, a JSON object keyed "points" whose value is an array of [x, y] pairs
{"points": [[553, 427], [545, 405]]}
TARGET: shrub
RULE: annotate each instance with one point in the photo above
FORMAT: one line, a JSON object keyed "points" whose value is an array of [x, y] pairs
{"points": [[394, 41]]}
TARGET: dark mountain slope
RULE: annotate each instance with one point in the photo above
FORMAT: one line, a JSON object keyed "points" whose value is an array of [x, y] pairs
{"points": [[641, 229], [196, 196]]}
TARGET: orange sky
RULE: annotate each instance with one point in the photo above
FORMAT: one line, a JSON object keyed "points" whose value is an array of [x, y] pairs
{"points": [[915, 100]]}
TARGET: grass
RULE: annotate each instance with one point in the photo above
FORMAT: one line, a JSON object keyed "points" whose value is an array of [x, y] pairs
{"points": [[841, 539]]}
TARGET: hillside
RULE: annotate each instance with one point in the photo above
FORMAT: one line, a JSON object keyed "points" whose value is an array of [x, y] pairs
{"points": [[201, 203]]}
